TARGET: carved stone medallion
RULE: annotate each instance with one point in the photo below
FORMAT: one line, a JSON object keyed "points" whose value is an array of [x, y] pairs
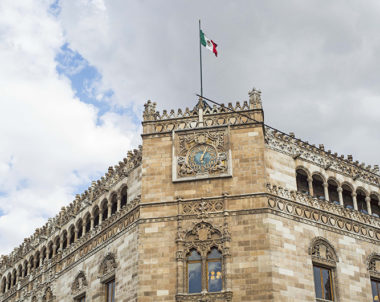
{"points": [[202, 153]]}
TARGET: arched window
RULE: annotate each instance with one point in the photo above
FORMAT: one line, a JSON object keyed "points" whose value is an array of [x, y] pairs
{"points": [[347, 197], [104, 210], [194, 272], [362, 204], [124, 197], [3, 285], [72, 234], [318, 189], [214, 271], [113, 204], [375, 206], [64, 240], [57, 244], [80, 228], [96, 216], [43, 254], [324, 263], [333, 191], [50, 247], [302, 183], [37, 257], [88, 223], [14, 277], [373, 265], [25, 268]]}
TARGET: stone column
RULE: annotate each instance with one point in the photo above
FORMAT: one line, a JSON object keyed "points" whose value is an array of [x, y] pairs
{"points": [[181, 274], [35, 260], [326, 189], [354, 200], [100, 216], [118, 202], [61, 243], [75, 234], [204, 274], [54, 249], [28, 269], [109, 208], [84, 228], [340, 190], [368, 201], [310, 183], [68, 237], [92, 219], [41, 259]]}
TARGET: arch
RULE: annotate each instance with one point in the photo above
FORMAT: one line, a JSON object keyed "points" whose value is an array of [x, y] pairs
{"points": [[43, 253], [3, 285], [37, 256], [95, 214], [123, 196], [87, 222], [108, 265], [19, 270], [302, 176], [323, 251], [319, 175], [31, 262], [14, 277], [347, 191], [79, 228], [57, 244], [318, 188], [64, 239], [48, 296], [50, 249], [80, 282], [361, 195], [332, 189], [373, 264], [104, 209], [25, 266], [9, 281], [113, 199], [375, 206], [304, 169], [71, 234]]}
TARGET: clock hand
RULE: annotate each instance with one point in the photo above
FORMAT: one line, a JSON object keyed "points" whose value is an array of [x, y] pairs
{"points": [[203, 154]]}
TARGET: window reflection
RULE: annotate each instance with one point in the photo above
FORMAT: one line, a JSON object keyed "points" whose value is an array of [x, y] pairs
{"points": [[375, 290], [194, 271], [323, 283], [214, 270]]}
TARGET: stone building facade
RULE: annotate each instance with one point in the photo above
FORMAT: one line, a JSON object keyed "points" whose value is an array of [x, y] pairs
{"points": [[214, 206]]}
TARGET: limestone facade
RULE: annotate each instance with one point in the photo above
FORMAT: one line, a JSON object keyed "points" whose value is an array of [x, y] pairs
{"points": [[272, 205]]}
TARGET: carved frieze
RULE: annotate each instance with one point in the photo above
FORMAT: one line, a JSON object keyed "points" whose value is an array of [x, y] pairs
{"points": [[200, 154]]}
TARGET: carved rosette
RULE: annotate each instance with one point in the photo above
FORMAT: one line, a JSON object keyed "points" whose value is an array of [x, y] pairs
{"points": [[202, 153]]}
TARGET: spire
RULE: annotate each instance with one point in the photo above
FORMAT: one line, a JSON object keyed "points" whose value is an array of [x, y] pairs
{"points": [[255, 99]]}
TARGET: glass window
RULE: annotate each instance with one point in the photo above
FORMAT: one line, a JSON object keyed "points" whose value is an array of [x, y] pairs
{"points": [[375, 290], [194, 272], [110, 291], [81, 299], [214, 271], [323, 283]]}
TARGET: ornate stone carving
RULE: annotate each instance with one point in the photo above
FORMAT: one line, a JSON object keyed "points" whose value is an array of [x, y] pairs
{"points": [[373, 264], [201, 154], [322, 251], [79, 283], [48, 296], [108, 266]]}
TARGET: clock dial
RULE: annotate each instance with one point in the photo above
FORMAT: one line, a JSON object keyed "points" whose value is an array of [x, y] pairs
{"points": [[202, 158]]}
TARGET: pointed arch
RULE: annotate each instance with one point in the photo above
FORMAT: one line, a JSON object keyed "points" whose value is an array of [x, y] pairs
{"points": [[79, 284], [323, 251], [108, 265]]}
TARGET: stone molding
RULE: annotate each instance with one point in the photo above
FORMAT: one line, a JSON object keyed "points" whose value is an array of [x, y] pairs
{"points": [[283, 143], [83, 201], [373, 265], [225, 296], [322, 251]]}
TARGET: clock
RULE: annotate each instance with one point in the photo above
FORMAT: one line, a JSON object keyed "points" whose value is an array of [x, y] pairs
{"points": [[202, 158]]}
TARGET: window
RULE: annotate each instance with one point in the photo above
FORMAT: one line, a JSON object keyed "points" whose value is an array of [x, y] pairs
{"points": [[110, 291], [323, 283], [375, 290], [194, 272], [214, 271], [81, 299]]}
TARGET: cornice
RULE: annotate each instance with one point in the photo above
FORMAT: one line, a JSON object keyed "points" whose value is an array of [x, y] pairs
{"points": [[297, 149]]}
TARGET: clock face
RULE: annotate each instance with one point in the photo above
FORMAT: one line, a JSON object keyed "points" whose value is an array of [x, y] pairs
{"points": [[202, 158]]}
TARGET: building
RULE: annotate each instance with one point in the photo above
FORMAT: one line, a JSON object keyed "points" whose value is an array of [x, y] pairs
{"points": [[215, 206]]}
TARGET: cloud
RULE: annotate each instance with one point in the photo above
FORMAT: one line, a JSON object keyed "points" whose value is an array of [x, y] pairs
{"points": [[316, 63], [52, 143]]}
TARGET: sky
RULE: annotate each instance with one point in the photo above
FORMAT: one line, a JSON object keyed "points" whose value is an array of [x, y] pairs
{"points": [[75, 74]]}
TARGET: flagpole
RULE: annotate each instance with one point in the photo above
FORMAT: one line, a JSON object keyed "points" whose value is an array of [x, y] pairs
{"points": [[200, 56]]}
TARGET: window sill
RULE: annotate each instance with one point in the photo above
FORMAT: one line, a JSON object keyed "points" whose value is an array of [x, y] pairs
{"points": [[205, 297]]}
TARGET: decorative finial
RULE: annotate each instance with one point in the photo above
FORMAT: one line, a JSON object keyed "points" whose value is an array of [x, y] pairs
{"points": [[255, 99]]}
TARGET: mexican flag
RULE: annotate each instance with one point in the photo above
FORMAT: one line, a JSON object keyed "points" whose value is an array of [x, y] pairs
{"points": [[209, 44]]}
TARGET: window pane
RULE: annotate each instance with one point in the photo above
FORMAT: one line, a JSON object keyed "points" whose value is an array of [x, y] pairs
{"points": [[214, 254], [375, 292], [215, 283], [195, 277], [110, 295], [194, 255], [317, 282], [326, 276]]}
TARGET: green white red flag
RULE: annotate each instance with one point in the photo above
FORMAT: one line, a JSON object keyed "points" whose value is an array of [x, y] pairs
{"points": [[208, 43]]}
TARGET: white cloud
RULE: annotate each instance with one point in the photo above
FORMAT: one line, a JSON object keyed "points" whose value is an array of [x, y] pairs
{"points": [[50, 141]]}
